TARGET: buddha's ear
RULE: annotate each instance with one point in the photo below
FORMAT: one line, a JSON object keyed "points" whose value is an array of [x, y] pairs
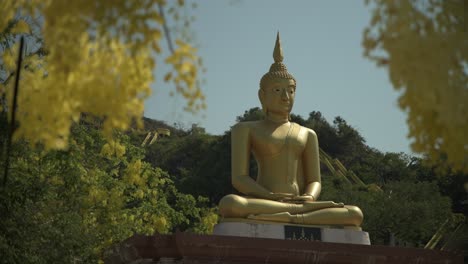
{"points": [[261, 95]]}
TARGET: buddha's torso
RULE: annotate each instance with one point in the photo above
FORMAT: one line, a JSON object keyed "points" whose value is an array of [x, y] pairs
{"points": [[278, 150]]}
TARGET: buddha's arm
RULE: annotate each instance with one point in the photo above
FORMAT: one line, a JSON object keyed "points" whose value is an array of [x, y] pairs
{"points": [[311, 165], [240, 157]]}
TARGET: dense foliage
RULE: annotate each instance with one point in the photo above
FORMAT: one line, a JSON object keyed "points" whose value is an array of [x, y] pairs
{"points": [[68, 206]]}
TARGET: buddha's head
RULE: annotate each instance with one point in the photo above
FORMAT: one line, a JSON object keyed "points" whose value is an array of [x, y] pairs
{"points": [[278, 86]]}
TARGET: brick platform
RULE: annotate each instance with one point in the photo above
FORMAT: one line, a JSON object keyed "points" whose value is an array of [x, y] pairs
{"points": [[190, 248]]}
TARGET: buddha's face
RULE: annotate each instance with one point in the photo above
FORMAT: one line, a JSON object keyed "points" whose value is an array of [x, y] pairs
{"points": [[277, 96]]}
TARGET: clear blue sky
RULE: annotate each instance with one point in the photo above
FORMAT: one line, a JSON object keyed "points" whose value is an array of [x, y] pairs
{"points": [[321, 42]]}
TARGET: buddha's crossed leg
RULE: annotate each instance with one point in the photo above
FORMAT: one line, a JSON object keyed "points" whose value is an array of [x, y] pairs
{"points": [[319, 213]]}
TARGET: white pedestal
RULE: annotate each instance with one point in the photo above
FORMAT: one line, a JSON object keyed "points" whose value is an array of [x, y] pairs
{"points": [[292, 232]]}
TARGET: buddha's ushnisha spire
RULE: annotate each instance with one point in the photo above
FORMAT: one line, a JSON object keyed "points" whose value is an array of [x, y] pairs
{"points": [[278, 51], [277, 69]]}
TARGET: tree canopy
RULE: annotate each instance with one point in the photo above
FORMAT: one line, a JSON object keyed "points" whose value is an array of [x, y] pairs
{"points": [[424, 46]]}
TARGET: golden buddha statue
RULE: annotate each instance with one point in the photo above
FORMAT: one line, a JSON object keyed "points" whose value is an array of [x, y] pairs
{"points": [[288, 181]]}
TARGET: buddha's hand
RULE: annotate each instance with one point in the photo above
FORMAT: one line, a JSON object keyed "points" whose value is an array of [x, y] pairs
{"points": [[304, 198], [280, 196], [325, 204]]}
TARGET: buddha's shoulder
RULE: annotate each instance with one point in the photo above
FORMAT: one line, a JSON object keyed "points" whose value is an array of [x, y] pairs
{"points": [[245, 126], [308, 131]]}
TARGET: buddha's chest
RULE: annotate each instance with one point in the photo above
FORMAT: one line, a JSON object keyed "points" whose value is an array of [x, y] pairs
{"points": [[272, 141]]}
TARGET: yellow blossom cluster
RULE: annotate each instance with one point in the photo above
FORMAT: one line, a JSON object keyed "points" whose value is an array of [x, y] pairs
{"points": [[424, 45], [185, 63], [113, 148], [100, 59]]}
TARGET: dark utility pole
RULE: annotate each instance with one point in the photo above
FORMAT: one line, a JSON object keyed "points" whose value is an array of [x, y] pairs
{"points": [[12, 124]]}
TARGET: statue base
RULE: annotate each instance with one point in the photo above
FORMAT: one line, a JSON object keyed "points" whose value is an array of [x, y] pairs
{"points": [[186, 248], [264, 229]]}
